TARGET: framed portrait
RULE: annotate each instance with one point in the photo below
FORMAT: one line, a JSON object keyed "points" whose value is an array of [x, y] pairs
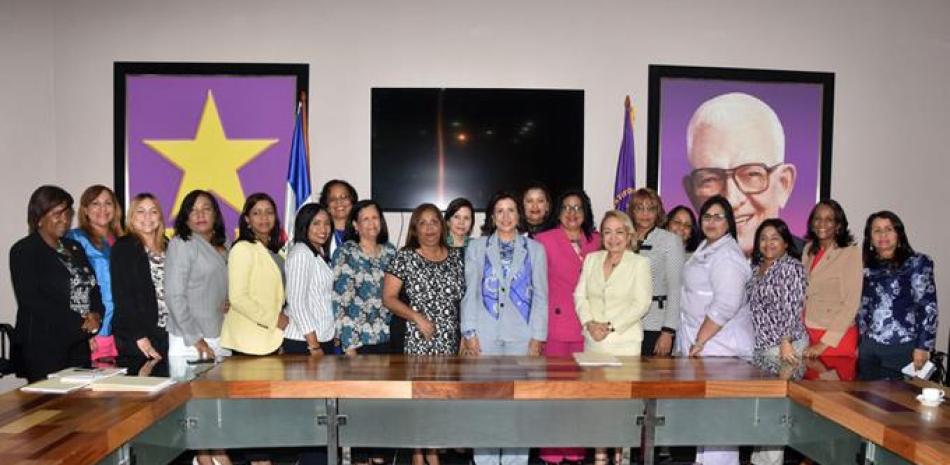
{"points": [[760, 138], [221, 127]]}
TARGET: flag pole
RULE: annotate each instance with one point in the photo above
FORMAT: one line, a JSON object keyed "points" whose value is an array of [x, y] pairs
{"points": [[304, 107]]}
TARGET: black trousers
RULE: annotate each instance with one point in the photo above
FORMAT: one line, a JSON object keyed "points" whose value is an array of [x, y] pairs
{"points": [[649, 342], [291, 346], [879, 361]]}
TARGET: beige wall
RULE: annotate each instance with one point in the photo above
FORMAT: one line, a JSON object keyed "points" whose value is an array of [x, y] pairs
{"points": [[891, 59]]}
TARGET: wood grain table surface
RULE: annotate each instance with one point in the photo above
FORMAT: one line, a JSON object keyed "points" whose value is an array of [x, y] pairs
{"points": [[886, 412], [486, 377], [77, 428], [83, 427]]}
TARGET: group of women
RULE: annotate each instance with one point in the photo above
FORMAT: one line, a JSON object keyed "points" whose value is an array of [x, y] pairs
{"points": [[542, 279]]}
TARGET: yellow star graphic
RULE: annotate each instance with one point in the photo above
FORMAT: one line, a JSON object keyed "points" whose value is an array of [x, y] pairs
{"points": [[210, 161]]}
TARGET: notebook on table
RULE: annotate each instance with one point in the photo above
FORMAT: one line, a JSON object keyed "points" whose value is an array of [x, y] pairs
{"points": [[124, 383], [52, 386], [86, 375]]}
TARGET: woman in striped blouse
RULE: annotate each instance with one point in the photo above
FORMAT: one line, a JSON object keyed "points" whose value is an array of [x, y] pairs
{"points": [[666, 254], [310, 284]]}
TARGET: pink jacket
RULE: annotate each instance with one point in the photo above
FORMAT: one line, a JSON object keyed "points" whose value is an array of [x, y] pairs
{"points": [[564, 270]]}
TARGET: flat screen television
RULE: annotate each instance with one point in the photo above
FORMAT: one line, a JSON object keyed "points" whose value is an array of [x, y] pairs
{"points": [[433, 145]]}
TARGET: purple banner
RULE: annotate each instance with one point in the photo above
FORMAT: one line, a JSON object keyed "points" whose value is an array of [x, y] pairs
{"points": [[230, 135]]}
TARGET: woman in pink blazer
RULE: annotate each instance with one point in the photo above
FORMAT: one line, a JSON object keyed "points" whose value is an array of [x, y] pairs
{"points": [[566, 246]]}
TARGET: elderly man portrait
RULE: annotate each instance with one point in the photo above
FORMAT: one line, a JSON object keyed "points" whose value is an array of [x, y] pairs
{"points": [[736, 148]]}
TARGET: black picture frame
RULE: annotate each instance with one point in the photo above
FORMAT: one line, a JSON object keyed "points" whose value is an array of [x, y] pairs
{"points": [[123, 69], [801, 101]]}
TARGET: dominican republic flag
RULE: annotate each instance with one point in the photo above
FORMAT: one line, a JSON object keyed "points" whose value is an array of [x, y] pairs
{"points": [[626, 166], [298, 176]]}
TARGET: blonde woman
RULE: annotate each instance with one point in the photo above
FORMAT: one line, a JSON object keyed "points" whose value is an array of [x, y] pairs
{"points": [[99, 227], [614, 291], [138, 289], [613, 295]]}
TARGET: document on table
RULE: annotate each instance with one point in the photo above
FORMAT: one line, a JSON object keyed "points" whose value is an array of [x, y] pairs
{"points": [[588, 359]]}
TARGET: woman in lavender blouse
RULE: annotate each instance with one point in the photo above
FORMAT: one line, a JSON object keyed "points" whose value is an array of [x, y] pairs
{"points": [[715, 319]]}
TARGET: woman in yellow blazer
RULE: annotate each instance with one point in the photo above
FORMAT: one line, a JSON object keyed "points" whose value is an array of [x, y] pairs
{"points": [[614, 291], [255, 322]]}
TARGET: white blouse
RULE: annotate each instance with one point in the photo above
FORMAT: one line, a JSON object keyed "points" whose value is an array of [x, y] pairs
{"points": [[309, 293]]}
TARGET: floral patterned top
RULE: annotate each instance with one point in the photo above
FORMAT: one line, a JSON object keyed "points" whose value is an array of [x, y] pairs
{"points": [[156, 264], [434, 289], [776, 299], [358, 308], [899, 304], [82, 279]]}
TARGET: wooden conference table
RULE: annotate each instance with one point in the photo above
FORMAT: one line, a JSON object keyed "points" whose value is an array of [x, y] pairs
{"points": [[395, 401]]}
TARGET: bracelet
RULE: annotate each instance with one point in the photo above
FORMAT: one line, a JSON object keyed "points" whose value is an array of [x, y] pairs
{"points": [[313, 348]]}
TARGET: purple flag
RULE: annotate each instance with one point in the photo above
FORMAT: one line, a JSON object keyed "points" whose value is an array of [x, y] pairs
{"points": [[626, 165], [230, 135]]}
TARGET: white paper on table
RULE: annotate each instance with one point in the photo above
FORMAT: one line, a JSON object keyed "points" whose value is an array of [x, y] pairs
{"points": [[924, 372], [588, 359]]}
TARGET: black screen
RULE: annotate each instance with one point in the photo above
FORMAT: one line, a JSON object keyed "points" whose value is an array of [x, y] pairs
{"points": [[432, 145]]}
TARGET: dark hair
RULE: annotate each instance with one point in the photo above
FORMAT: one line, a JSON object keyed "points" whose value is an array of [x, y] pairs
{"points": [[218, 238], [548, 221], [352, 235], [44, 199], [843, 237], [782, 229], [488, 227], [457, 204], [412, 237], [325, 192], [903, 251], [726, 208], [588, 225], [693, 240], [305, 216], [244, 229]]}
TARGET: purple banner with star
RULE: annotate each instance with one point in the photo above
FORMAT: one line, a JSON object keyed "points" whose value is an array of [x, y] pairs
{"points": [[230, 135]]}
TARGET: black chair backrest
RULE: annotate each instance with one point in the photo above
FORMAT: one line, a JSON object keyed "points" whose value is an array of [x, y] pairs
{"points": [[6, 343]]}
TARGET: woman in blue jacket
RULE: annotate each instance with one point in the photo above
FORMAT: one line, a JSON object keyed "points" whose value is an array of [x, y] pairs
{"points": [[505, 307], [99, 226]]}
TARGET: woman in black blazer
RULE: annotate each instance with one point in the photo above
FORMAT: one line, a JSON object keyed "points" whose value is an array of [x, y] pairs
{"points": [[59, 307], [138, 271]]}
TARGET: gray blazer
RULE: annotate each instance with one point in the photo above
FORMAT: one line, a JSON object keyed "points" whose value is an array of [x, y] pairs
{"points": [[196, 288], [667, 256], [510, 326]]}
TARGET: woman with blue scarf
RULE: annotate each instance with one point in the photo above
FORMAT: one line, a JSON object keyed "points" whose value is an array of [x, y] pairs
{"points": [[505, 308]]}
